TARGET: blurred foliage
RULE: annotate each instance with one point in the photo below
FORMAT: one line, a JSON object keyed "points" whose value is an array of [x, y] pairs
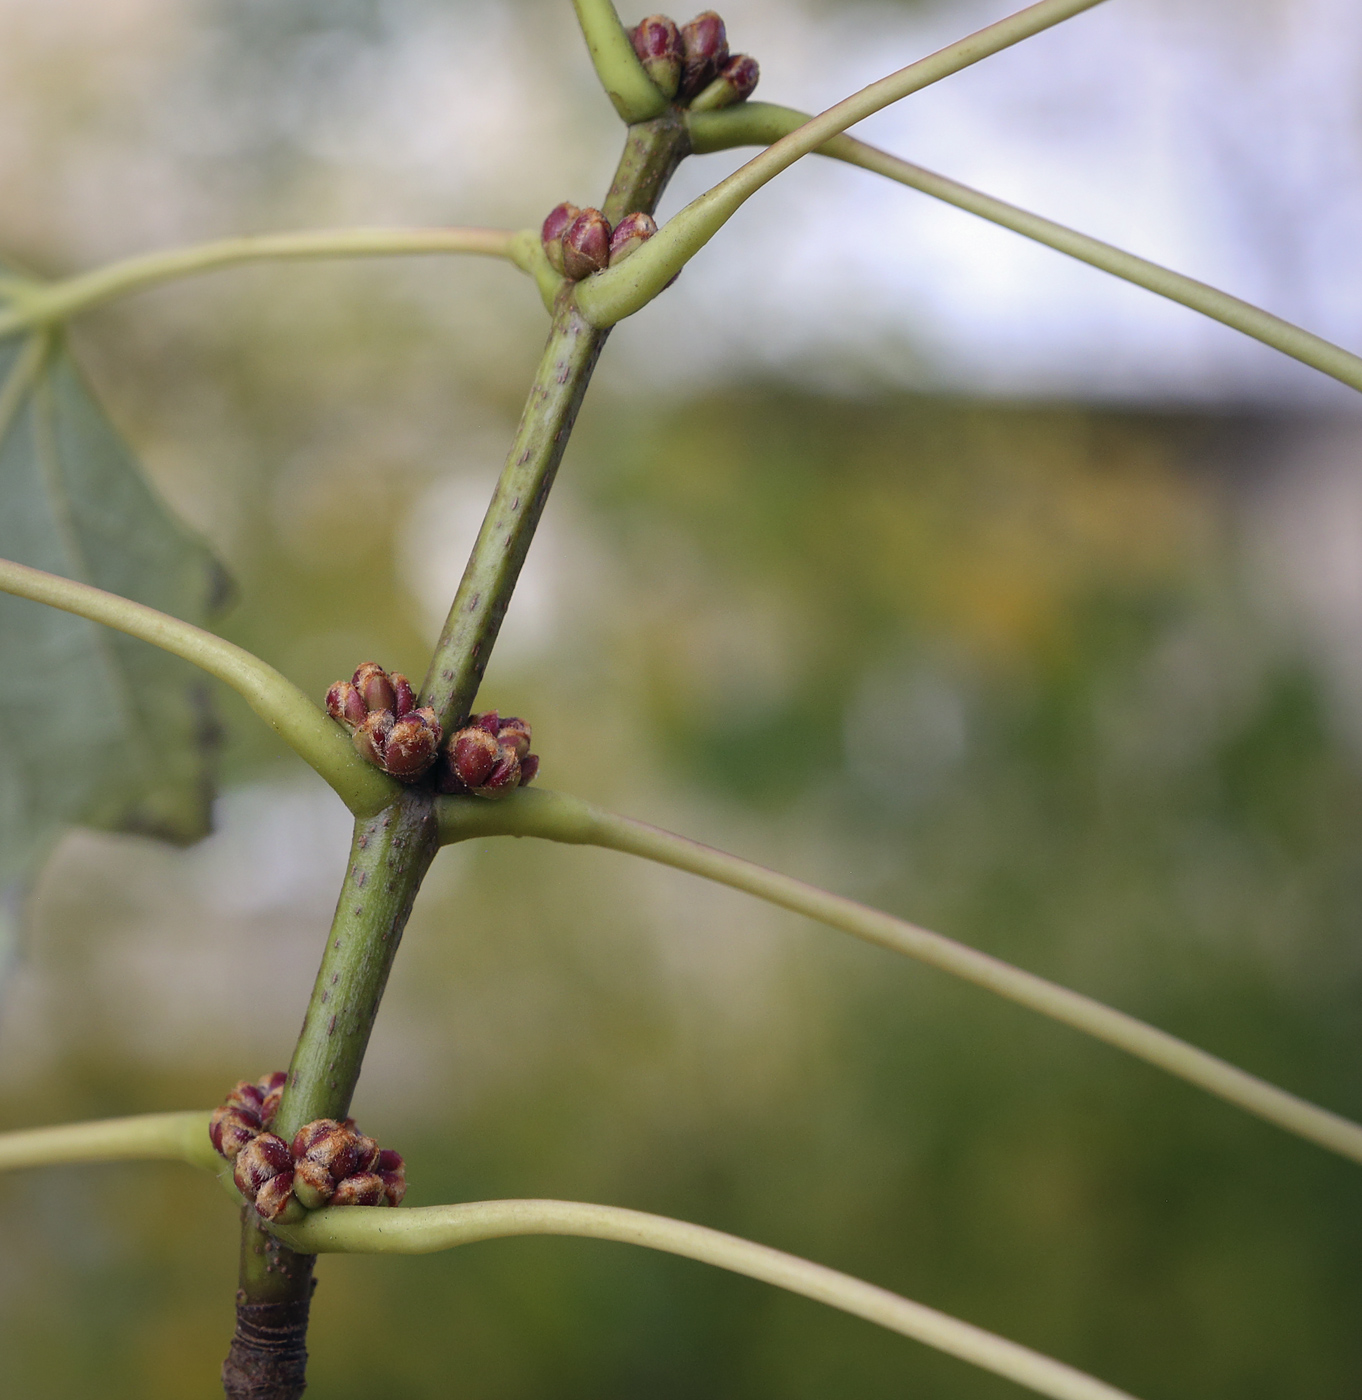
{"points": [[991, 667]]}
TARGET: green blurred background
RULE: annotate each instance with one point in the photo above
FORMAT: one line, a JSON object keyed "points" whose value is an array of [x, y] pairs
{"points": [[1073, 682]]}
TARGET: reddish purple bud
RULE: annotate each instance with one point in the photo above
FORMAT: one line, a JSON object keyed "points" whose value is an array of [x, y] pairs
{"points": [[337, 1150], [262, 1158], [271, 1105], [474, 755], [366, 1153], [704, 42], [375, 686], [412, 744], [515, 733], [555, 226], [344, 703], [362, 1189], [313, 1185], [586, 245], [490, 722], [736, 82], [405, 695], [504, 777], [309, 1133], [393, 1172], [371, 738], [246, 1095], [529, 769], [657, 42], [231, 1128], [275, 1195], [632, 231]]}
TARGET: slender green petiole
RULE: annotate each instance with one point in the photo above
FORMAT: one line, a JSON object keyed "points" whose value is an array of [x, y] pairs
{"points": [[760, 123], [46, 303], [557, 817], [620, 291], [430, 1228], [282, 705], [634, 94], [172, 1137]]}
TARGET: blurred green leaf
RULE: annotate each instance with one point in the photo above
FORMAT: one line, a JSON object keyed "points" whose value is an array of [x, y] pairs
{"points": [[99, 729]]}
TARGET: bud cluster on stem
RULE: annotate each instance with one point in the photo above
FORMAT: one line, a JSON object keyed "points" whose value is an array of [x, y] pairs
{"points": [[578, 242], [328, 1162], [381, 713], [489, 757], [692, 64]]}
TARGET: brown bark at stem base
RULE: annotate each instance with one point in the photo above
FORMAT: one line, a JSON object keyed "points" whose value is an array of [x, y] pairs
{"points": [[268, 1356]]}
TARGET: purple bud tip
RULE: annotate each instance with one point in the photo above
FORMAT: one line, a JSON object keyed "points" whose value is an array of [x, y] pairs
{"points": [[405, 701], [344, 703], [362, 1189], [375, 686], [631, 231], [274, 1195], [741, 72], [704, 42], [474, 753], [505, 775], [412, 744], [529, 769], [657, 42], [586, 245], [555, 226]]}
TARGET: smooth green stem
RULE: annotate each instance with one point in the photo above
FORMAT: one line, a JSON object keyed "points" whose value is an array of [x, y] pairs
{"points": [[389, 855], [470, 631], [651, 153], [634, 94], [760, 123], [557, 817], [39, 303], [392, 850], [282, 705], [430, 1228], [618, 292], [171, 1137]]}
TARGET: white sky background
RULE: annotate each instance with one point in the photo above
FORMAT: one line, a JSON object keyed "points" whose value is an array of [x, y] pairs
{"points": [[1223, 138]]}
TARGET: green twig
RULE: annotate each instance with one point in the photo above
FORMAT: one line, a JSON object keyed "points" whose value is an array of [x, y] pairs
{"points": [[282, 705], [557, 817], [760, 123], [618, 292], [45, 303], [635, 96], [173, 1137], [430, 1228]]}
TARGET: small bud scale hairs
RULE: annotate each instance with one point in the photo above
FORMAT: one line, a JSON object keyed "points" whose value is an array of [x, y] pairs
{"points": [[579, 242], [489, 757], [328, 1162], [388, 729]]}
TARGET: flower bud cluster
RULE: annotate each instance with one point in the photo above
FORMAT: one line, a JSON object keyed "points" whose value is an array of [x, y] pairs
{"points": [[328, 1162], [489, 757], [579, 242], [381, 714], [692, 63]]}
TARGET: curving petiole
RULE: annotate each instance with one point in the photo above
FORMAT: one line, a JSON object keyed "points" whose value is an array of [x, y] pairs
{"points": [[426, 1229], [555, 816], [310, 733], [761, 123], [32, 303], [634, 94]]}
